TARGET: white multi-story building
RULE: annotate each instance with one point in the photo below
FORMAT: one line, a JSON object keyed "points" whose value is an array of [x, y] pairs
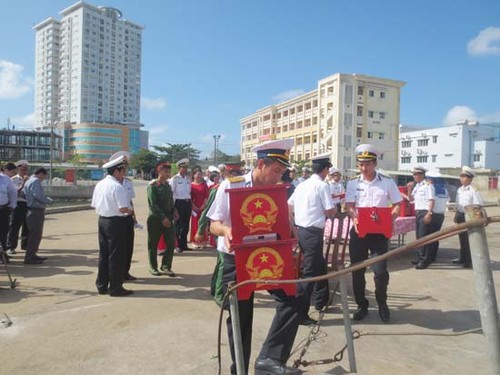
{"points": [[343, 111], [88, 68], [467, 143]]}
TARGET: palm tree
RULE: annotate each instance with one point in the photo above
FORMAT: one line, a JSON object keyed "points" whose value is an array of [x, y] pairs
{"points": [[173, 152]]}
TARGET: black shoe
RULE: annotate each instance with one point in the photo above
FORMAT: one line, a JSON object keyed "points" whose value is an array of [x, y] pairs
{"points": [[414, 262], [467, 265], [102, 291], [33, 261], [383, 311], [307, 321], [360, 313], [129, 277], [270, 366], [457, 261], [43, 259], [121, 293], [168, 272], [421, 265]]}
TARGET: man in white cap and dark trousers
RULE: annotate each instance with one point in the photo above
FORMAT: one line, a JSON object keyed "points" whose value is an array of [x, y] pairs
{"points": [[370, 189], [131, 219], [466, 196], [181, 188], [336, 187], [8, 202], [111, 202], [310, 203], [424, 196], [18, 218], [272, 161]]}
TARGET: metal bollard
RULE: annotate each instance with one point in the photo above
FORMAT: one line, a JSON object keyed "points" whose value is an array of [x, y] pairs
{"points": [[485, 288], [347, 325], [235, 322]]}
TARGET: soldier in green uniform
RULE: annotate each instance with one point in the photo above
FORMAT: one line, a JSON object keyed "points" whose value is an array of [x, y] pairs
{"points": [[161, 218]]}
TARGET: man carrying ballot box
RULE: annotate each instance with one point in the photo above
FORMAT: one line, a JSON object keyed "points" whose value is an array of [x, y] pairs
{"points": [[370, 189]]}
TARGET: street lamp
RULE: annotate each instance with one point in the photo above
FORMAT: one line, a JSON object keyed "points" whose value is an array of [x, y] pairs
{"points": [[51, 151], [216, 141]]}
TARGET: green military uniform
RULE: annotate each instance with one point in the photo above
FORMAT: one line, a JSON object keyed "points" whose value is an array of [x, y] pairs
{"points": [[161, 206], [203, 223]]}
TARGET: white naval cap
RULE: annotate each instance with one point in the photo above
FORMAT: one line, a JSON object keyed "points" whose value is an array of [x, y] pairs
{"points": [[125, 154], [183, 162], [120, 160], [279, 150], [221, 167], [322, 159], [366, 152], [433, 174], [467, 171], [334, 170], [419, 169], [213, 168], [22, 162]]}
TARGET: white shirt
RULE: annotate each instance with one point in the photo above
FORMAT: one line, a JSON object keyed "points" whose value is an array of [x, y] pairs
{"points": [[467, 195], [336, 188], [440, 202], [129, 186], [109, 196], [310, 200], [8, 193], [181, 187], [422, 194], [220, 209], [380, 192], [19, 184]]}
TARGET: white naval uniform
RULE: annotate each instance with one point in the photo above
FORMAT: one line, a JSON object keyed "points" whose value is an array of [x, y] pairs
{"points": [[181, 187], [380, 192], [109, 196], [466, 196], [336, 188], [129, 187], [423, 193]]}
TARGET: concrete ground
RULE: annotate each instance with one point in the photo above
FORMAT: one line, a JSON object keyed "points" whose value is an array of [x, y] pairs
{"points": [[60, 325]]}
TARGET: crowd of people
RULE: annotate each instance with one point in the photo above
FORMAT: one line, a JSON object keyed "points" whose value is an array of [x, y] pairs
{"points": [[197, 204]]}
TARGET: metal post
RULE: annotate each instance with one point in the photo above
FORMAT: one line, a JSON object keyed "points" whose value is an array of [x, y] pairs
{"points": [[235, 322], [51, 152], [485, 287], [347, 325]]}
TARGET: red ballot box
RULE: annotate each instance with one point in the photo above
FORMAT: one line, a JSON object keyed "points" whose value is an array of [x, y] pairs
{"points": [[375, 220], [264, 261], [259, 214]]}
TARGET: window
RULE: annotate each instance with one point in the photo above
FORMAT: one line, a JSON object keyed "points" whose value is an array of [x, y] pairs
{"points": [[406, 160], [477, 157], [360, 110], [434, 158], [423, 142], [381, 135], [370, 134], [359, 132], [434, 139], [370, 114], [422, 159], [382, 95], [382, 115], [360, 90], [371, 93], [405, 144]]}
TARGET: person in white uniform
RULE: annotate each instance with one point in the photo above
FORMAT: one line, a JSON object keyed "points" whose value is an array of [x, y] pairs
{"points": [[309, 205], [8, 202], [18, 218], [111, 202], [370, 189], [181, 188], [440, 200], [466, 195], [272, 160], [336, 187]]}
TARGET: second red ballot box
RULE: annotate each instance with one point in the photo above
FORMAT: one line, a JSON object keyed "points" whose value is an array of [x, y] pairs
{"points": [[375, 220]]}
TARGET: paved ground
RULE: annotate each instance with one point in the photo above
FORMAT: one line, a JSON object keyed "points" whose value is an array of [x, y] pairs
{"points": [[169, 326]]}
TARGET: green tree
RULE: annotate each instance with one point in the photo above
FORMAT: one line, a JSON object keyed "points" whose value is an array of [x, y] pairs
{"points": [[173, 152], [222, 157], [144, 160]]}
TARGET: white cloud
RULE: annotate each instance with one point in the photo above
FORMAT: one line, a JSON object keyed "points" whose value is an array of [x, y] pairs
{"points": [[153, 104], [486, 43], [459, 113], [286, 95], [27, 121], [13, 83]]}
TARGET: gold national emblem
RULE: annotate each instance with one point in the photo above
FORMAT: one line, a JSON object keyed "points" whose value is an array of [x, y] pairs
{"points": [[265, 263], [259, 212]]}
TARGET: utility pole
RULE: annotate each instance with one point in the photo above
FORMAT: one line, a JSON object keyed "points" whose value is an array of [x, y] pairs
{"points": [[216, 141]]}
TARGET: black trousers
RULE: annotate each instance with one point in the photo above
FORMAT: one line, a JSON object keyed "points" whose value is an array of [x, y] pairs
{"points": [[35, 218], [279, 340], [435, 226], [314, 264], [18, 220], [112, 253], [129, 242], [377, 244], [422, 230], [463, 237], [4, 225], [182, 224]]}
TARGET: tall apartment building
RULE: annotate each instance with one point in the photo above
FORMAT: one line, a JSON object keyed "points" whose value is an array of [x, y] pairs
{"points": [[88, 71], [467, 143], [343, 111]]}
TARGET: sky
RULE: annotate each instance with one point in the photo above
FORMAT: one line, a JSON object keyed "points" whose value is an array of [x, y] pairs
{"points": [[207, 64]]}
